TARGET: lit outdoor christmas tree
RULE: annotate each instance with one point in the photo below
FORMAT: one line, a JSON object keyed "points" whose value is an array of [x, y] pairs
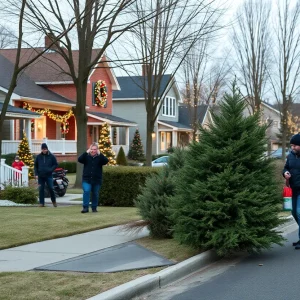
{"points": [[25, 155], [105, 145], [136, 151]]}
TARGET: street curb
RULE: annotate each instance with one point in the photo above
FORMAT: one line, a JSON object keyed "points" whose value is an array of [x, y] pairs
{"points": [[150, 282]]}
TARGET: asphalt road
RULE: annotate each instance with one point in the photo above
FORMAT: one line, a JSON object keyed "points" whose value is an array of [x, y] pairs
{"points": [[271, 275]]}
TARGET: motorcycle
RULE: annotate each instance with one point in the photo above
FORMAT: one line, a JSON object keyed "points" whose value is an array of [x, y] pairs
{"points": [[60, 183]]}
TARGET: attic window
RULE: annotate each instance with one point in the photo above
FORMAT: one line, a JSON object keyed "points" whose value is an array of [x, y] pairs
{"points": [[169, 107]]}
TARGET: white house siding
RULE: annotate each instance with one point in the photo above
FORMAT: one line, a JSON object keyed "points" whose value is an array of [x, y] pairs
{"points": [[171, 93]]}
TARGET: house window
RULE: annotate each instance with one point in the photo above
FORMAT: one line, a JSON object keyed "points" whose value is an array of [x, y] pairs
{"points": [[169, 107]]}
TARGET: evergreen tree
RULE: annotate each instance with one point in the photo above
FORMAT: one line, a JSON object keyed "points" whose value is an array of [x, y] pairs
{"points": [[105, 144], [154, 201], [136, 151], [227, 198], [121, 158], [25, 155]]}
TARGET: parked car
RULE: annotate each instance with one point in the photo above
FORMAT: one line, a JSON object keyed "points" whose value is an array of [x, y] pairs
{"points": [[160, 162], [278, 153]]}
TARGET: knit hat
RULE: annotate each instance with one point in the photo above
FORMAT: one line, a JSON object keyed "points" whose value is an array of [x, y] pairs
{"points": [[295, 140], [44, 146], [17, 157]]}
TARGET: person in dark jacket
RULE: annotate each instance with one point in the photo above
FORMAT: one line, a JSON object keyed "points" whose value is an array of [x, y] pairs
{"points": [[93, 161], [45, 163], [291, 172]]}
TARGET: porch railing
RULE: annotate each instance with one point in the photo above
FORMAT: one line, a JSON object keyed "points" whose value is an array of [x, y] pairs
{"points": [[11, 176], [55, 146]]}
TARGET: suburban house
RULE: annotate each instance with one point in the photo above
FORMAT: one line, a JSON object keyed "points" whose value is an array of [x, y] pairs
{"points": [[43, 100], [173, 125]]}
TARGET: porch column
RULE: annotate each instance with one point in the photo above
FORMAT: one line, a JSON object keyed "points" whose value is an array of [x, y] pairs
{"points": [[63, 151], [127, 136], [118, 136], [174, 138], [28, 132], [110, 129]]}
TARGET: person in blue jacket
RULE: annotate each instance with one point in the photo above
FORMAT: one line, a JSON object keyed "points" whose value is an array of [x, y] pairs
{"points": [[45, 163], [93, 161], [291, 172]]}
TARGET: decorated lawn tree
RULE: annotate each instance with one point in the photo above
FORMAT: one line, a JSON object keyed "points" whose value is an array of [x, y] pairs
{"points": [[105, 144], [25, 155], [227, 196], [136, 151]]}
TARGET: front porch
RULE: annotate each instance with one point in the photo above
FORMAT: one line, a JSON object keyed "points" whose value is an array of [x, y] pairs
{"points": [[61, 146]]}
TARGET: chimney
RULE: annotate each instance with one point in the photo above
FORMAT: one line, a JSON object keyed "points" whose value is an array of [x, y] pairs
{"points": [[145, 69], [49, 40]]}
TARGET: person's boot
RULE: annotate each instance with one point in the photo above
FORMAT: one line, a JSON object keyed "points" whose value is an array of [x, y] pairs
{"points": [[54, 203], [85, 210], [296, 243], [42, 205]]}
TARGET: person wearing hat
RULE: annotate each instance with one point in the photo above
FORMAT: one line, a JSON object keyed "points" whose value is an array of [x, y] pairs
{"points": [[17, 164], [291, 172], [45, 163]]}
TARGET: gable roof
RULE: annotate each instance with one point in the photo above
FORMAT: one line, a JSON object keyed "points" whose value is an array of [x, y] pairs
{"points": [[26, 87], [113, 120], [131, 87], [51, 68], [185, 113], [15, 112], [175, 125]]}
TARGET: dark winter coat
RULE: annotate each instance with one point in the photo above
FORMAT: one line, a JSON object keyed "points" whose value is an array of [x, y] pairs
{"points": [[292, 165], [45, 164], [92, 170]]}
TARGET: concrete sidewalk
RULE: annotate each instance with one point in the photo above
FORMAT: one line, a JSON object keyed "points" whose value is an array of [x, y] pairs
{"points": [[28, 257], [66, 199]]}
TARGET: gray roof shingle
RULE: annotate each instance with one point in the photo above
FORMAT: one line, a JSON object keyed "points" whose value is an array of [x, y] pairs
{"points": [[18, 110], [131, 87], [25, 86], [111, 118], [186, 113]]}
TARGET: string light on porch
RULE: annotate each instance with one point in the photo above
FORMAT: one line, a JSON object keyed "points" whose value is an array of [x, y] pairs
{"points": [[100, 92], [58, 118]]}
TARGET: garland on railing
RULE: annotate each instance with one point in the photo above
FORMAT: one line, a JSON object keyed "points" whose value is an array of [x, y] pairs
{"points": [[100, 93], [64, 127]]}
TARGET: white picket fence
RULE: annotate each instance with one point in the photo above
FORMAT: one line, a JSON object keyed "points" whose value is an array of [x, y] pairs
{"points": [[13, 177]]}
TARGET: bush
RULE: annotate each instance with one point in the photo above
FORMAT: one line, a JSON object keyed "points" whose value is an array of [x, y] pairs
{"points": [[121, 185], [24, 195], [121, 158], [9, 158], [68, 165], [154, 201]]}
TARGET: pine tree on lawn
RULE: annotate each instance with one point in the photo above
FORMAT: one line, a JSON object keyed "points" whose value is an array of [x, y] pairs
{"points": [[25, 155], [136, 151], [227, 195], [105, 144]]}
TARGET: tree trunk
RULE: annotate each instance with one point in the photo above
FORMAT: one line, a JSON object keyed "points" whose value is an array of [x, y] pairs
{"points": [[81, 124], [150, 126]]}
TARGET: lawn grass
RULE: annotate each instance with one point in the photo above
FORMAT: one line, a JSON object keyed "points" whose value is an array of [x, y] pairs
{"points": [[24, 225]]}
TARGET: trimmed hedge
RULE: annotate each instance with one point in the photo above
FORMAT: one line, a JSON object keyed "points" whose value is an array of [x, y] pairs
{"points": [[121, 185], [68, 165]]}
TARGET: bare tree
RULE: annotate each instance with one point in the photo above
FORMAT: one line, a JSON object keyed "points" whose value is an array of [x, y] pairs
{"points": [[285, 80], [251, 40], [96, 21], [7, 37], [18, 67], [162, 44]]}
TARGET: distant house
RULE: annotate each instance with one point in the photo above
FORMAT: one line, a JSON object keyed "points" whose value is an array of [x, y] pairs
{"points": [[173, 125], [45, 87]]}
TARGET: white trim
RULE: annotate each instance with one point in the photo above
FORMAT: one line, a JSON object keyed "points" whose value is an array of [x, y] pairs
{"points": [[110, 122], [49, 102], [117, 99], [173, 127], [204, 115], [271, 108], [53, 82], [21, 116], [15, 96]]}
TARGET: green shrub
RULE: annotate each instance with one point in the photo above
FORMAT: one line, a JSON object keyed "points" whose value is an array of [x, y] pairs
{"points": [[24, 195], [9, 158], [68, 165], [121, 185], [121, 158]]}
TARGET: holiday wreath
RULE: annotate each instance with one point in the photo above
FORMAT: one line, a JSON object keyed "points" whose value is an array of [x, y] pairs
{"points": [[100, 93]]}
